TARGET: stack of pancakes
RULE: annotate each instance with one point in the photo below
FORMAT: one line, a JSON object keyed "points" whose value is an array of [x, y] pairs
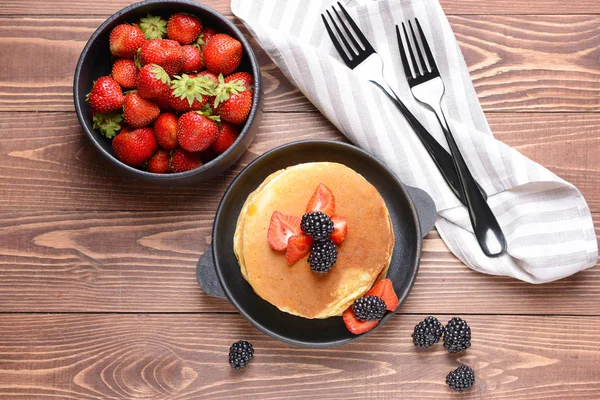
{"points": [[363, 257]]}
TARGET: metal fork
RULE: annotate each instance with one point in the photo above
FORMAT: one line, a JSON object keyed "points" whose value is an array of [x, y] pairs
{"points": [[358, 54], [428, 88]]}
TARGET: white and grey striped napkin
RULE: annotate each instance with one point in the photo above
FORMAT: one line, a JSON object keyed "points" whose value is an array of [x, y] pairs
{"points": [[546, 220]]}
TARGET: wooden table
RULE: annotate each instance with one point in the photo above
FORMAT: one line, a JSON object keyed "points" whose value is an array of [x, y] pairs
{"points": [[97, 282]]}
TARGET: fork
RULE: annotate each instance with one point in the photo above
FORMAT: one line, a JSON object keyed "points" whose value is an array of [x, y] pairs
{"points": [[361, 57], [428, 88]]}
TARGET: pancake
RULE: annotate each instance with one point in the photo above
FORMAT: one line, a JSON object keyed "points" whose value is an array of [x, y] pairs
{"points": [[363, 258]]}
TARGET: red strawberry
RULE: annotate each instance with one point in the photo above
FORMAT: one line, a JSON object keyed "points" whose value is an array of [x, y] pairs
{"points": [[196, 132], [125, 73], [281, 228], [182, 161], [138, 111], [192, 58], [228, 133], [297, 247], [153, 27], [184, 28], [244, 78], [385, 290], [165, 129], [108, 124], [322, 200], [222, 54], [125, 40], [164, 101], [159, 162], [135, 147], [233, 101], [152, 82], [340, 229], [106, 95], [354, 325], [207, 33], [190, 93], [212, 78], [163, 52]]}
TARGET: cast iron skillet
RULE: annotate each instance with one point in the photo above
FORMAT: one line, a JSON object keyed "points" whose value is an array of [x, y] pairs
{"points": [[410, 219]]}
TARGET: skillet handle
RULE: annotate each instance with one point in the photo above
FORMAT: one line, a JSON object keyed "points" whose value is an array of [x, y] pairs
{"points": [[206, 275], [425, 207]]}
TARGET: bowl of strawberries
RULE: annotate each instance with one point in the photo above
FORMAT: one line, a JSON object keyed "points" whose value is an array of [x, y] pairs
{"points": [[169, 91]]}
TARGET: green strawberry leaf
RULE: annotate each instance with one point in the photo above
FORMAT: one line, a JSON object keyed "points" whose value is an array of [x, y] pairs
{"points": [[153, 27], [160, 74], [108, 124]]}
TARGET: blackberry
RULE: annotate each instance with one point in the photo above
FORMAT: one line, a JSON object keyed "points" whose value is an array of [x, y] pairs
{"points": [[461, 378], [369, 308], [240, 354], [457, 336], [323, 254], [317, 225], [427, 332]]}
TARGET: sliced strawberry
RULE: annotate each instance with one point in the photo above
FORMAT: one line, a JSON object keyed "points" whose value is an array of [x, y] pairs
{"points": [[354, 325], [297, 247], [282, 227], [322, 200], [340, 229], [385, 290]]}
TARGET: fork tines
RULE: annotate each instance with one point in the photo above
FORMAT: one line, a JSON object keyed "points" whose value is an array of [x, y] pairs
{"points": [[351, 44], [417, 59]]}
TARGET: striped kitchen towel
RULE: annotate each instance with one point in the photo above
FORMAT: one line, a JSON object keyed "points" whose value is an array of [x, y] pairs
{"points": [[546, 220]]}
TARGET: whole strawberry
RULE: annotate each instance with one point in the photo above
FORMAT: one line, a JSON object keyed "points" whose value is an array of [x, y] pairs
{"points": [[233, 101], [125, 72], [164, 52], [182, 161], [184, 28], [196, 132], [125, 40], [228, 133], [243, 78], [106, 95], [159, 162], [165, 129], [192, 58], [108, 124], [139, 111], [135, 147], [207, 33], [153, 27], [191, 93], [222, 54], [152, 81]]}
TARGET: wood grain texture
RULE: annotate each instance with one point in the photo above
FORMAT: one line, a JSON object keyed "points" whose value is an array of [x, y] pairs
{"points": [[162, 357], [145, 261], [107, 7], [518, 63], [46, 163]]}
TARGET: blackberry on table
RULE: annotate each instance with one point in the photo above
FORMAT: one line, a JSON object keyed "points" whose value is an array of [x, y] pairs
{"points": [[317, 225], [457, 336], [369, 308], [427, 332], [240, 354], [462, 378], [323, 254]]}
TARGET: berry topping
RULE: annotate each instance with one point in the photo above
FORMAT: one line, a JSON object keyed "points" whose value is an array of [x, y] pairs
{"points": [[298, 246], [323, 255], [322, 200], [461, 379], [282, 227], [240, 354], [354, 325], [385, 290], [340, 229], [317, 225], [369, 308], [457, 336], [427, 332]]}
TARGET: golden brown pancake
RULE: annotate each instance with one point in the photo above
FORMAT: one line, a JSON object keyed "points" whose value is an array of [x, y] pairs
{"points": [[363, 258]]}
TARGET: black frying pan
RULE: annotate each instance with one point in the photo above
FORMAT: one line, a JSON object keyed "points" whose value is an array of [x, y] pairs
{"points": [[412, 212]]}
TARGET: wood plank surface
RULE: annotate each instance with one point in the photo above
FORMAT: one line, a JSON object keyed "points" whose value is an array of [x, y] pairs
{"points": [[518, 63], [145, 261], [46, 162], [161, 357], [105, 8]]}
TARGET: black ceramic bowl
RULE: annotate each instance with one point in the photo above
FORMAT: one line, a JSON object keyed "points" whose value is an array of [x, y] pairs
{"points": [[411, 211], [96, 61]]}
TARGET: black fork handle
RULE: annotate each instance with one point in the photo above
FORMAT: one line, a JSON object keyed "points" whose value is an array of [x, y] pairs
{"points": [[441, 158]]}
